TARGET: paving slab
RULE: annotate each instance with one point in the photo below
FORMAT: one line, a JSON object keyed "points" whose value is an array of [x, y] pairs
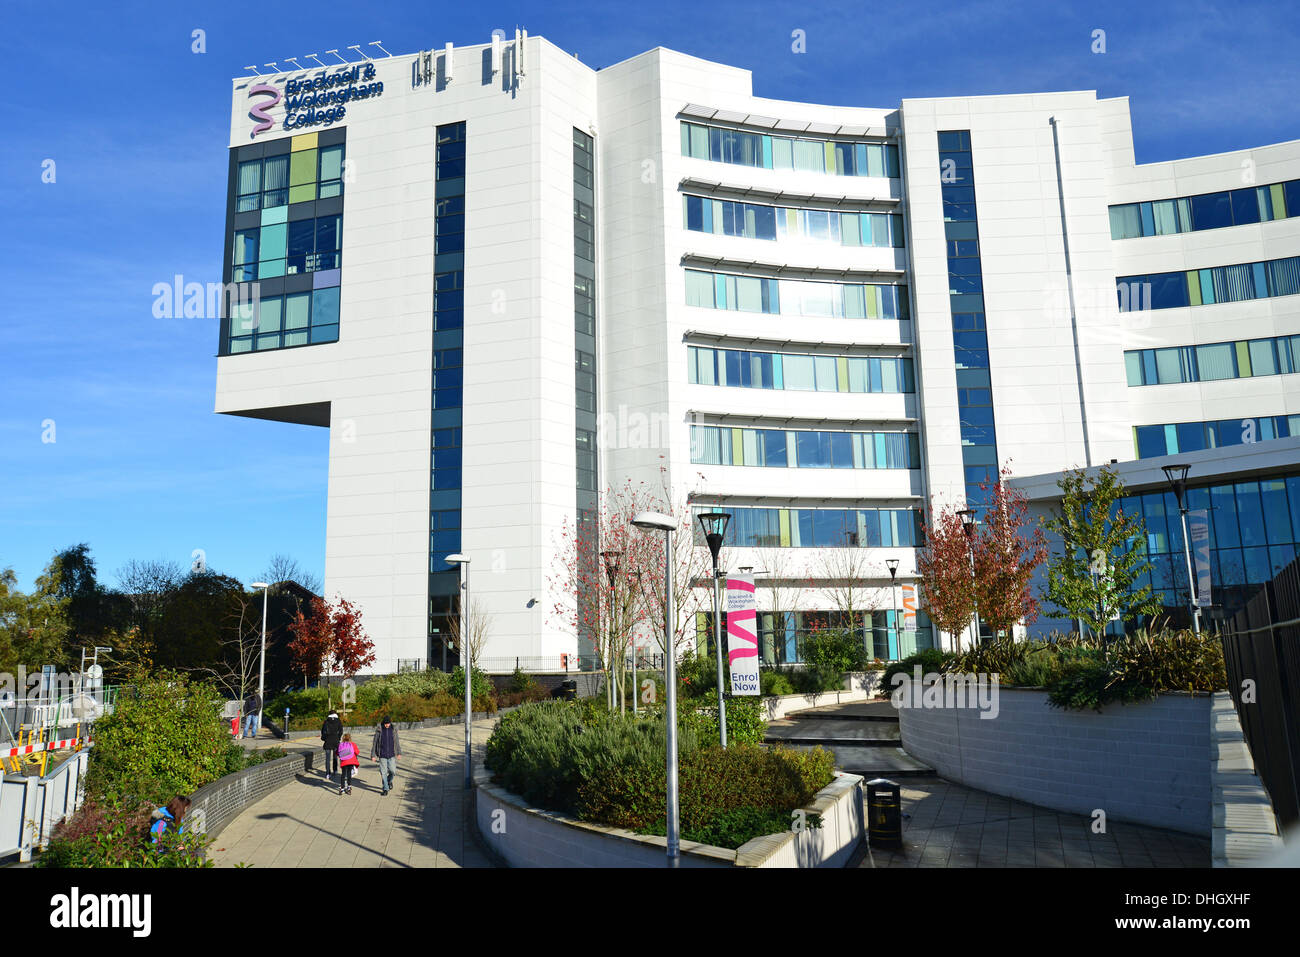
{"points": [[307, 823]]}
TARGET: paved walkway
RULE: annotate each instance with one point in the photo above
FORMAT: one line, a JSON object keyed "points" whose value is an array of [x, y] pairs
{"points": [[956, 826], [420, 824]]}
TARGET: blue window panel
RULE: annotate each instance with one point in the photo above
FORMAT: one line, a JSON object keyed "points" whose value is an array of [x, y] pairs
{"points": [[979, 455], [1168, 290], [1257, 565], [1250, 514], [1191, 436], [1211, 211], [1148, 222], [774, 449], [841, 449], [1151, 441], [695, 213], [1245, 206], [324, 333], [1280, 556]]}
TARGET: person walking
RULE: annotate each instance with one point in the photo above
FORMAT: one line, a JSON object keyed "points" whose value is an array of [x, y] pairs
{"points": [[349, 758], [331, 732], [252, 714], [388, 749]]}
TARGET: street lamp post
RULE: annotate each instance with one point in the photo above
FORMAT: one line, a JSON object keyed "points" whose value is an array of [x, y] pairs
{"points": [[261, 667], [611, 569], [659, 522], [463, 562], [715, 529], [1177, 476], [636, 690], [968, 526], [892, 565]]}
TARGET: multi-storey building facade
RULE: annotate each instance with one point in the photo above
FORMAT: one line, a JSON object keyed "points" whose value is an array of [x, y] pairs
{"points": [[504, 280]]}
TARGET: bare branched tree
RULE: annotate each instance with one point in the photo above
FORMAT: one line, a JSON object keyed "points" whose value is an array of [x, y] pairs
{"points": [[480, 626], [237, 672], [286, 568], [844, 575], [148, 585]]}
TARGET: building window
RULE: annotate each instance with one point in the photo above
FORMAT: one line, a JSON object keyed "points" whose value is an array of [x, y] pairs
{"points": [[765, 151]]}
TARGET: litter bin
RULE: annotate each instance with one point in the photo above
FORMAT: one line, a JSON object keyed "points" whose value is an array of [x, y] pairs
{"points": [[566, 691], [884, 815]]}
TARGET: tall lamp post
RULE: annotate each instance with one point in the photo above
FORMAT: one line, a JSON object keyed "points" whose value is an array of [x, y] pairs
{"points": [[1177, 476], [892, 565], [636, 689], [463, 562], [261, 666], [715, 529], [611, 570], [968, 526], [659, 522]]}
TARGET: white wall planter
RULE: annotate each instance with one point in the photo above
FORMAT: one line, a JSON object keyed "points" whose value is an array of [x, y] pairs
{"points": [[1144, 762], [525, 836]]}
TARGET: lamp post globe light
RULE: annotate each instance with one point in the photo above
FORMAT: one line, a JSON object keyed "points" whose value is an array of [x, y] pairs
{"points": [[261, 666], [659, 522], [715, 530], [611, 558], [892, 565], [1177, 476], [463, 562]]}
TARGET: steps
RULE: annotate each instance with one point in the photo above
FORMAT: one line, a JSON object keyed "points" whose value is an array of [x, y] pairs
{"points": [[863, 737]]}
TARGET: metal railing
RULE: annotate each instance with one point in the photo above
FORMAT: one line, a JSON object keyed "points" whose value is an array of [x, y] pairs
{"points": [[1261, 650], [21, 717]]}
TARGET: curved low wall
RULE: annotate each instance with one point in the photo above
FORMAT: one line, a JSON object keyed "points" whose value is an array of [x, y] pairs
{"points": [[217, 804], [1147, 763], [525, 836]]}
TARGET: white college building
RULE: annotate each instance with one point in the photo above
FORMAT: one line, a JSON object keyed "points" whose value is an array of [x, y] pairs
{"points": [[504, 280]]}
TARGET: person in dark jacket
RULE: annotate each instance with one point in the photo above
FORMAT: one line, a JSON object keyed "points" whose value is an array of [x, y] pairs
{"points": [[385, 746], [252, 714], [331, 732]]}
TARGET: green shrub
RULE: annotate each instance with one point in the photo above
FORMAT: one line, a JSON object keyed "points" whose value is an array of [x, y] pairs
{"points": [[1170, 661], [995, 657], [697, 675], [733, 828], [165, 739], [830, 652], [109, 831], [931, 660], [1085, 680], [1038, 669], [658, 695], [774, 683]]}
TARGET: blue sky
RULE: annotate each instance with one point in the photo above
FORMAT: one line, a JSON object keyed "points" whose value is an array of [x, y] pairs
{"points": [[136, 124]]}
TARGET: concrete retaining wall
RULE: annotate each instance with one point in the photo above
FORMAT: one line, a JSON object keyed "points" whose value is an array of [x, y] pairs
{"points": [[1145, 762], [525, 836], [1245, 829]]}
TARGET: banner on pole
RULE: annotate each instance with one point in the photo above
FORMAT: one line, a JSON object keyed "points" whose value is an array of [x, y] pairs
{"points": [[1198, 522], [742, 635], [911, 596]]}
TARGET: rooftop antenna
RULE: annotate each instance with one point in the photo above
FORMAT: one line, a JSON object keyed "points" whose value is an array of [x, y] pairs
{"points": [[273, 66], [294, 61], [313, 56], [360, 52], [254, 69], [336, 53], [376, 43]]}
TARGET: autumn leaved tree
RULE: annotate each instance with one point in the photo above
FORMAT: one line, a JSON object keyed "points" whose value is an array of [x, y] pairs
{"points": [[943, 563], [1009, 547], [330, 639]]}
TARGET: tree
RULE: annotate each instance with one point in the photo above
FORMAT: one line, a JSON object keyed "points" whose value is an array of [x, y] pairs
{"points": [[190, 624], [147, 587], [237, 671], [33, 627], [782, 599], [843, 576], [93, 611], [330, 639], [943, 563], [1008, 550], [285, 568], [480, 626], [1103, 554]]}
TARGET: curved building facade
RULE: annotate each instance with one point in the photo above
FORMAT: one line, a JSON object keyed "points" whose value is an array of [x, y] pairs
{"points": [[505, 280]]}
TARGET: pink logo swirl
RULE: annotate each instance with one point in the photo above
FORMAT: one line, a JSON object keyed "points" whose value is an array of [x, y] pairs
{"points": [[258, 112]]}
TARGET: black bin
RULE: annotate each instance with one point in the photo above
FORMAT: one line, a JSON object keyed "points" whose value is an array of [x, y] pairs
{"points": [[884, 815], [566, 690]]}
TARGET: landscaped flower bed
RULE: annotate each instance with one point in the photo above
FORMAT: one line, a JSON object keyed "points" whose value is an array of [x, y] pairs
{"points": [[610, 770]]}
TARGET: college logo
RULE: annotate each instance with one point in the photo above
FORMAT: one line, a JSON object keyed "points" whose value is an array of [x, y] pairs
{"points": [[258, 112]]}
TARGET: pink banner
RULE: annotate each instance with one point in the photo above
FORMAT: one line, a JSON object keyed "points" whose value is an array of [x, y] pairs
{"points": [[742, 635]]}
